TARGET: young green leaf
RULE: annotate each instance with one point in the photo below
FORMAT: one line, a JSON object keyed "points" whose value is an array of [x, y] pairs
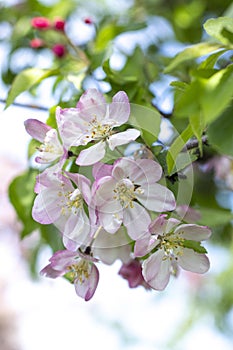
{"points": [[26, 80]]}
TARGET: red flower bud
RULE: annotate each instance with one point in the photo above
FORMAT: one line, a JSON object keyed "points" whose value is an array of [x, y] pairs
{"points": [[40, 23], [36, 43], [59, 50], [59, 24], [88, 20]]}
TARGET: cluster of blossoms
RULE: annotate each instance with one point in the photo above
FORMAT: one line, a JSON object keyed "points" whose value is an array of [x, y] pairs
{"points": [[104, 209]]}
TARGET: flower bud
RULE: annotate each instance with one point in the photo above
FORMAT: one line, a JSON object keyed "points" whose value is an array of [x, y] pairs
{"points": [[59, 24], [36, 43], [59, 50], [88, 20], [40, 23]]}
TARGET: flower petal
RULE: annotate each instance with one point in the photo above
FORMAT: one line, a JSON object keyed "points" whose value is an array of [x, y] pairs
{"points": [[45, 209], [110, 216], [136, 220], [77, 230], [157, 198], [36, 129], [92, 154], [156, 271], [122, 138], [110, 247], [193, 232], [193, 261], [92, 103], [119, 109], [87, 287], [100, 170], [72, 127]]}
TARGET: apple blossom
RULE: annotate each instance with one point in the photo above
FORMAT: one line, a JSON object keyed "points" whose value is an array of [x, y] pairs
{"points": [[51, 148], [93, 120], [117, 195], [132, 272], [168, 243], [80, 269], [59, 202]]}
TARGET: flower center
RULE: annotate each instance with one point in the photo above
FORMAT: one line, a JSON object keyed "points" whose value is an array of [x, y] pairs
{"points": [[172, 245], [72, 202], [99, 131], [125, 193], [80, 271]]}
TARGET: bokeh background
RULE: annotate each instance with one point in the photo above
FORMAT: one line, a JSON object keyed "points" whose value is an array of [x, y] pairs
{"points": [[37, 313]]}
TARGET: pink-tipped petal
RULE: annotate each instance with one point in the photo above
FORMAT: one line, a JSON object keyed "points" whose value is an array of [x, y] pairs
{"points": [[136, 220], [100, 170], [156, 271], [157, 198], [92, 103], [92, 154], [87, 287], [193, 232], [36, 129], [122, 138], [192, 261], [119, 109]]}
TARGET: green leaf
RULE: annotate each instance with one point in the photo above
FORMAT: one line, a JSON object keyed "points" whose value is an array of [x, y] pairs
{"points": [[21, 194], [220, 133], [196, 246], [190, 53], [25, 81], [210, 95], [198, 125], [215, 28], [146, 120], [176, 148], [214, 217], [106, 34]]}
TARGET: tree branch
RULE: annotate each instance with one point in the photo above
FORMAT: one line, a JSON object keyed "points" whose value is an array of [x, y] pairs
{"points": [[25, 105], [191, 144]]}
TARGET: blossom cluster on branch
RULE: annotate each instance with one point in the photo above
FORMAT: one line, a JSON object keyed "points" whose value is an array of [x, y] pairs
{"points": [[108, 209]]}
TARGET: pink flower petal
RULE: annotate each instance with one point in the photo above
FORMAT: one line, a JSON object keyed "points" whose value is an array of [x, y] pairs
{"points": [[119, 109], [149, 172], [92, 103], [77, 229], [136, 220], [92, 154], [193, 261], [72, 127], [36, 129], [122, 138], [110, 216], [110, 247], [45, 209], [156, 271], [87, 287], [193, 232], [100, 170], [157, 198]]}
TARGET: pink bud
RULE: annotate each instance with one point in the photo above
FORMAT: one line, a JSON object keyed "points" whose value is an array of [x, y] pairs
{"points": [[88, 20], [59, 50], [59, 24], [36, 43], [40, 23]]}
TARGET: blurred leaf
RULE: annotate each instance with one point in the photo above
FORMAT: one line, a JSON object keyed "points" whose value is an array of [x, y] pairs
{"points": [[146, 120], [21, 194], [210, 95], [176, 148], [215, 28], [214, 216], [26, 80], [220, 133], [198, 125], [191, 52], [52, 237]]}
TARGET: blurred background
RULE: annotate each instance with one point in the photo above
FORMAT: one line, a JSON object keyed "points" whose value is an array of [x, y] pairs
{"points": [[136, 40]]}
